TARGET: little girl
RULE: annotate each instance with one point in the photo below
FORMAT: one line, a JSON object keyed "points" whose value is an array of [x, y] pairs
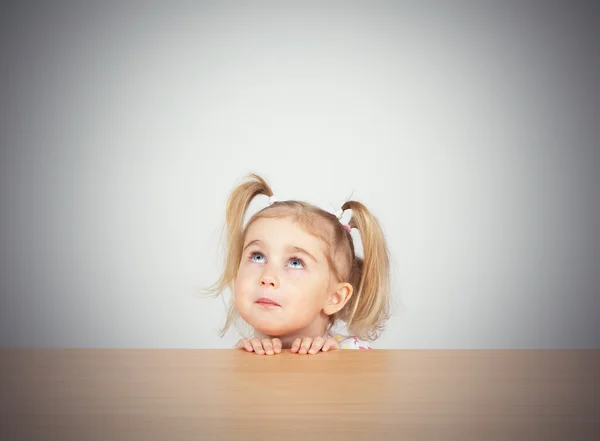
{"points": [[294, 274]]}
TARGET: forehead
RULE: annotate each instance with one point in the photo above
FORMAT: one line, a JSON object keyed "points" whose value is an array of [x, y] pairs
{"points": [[282, 232]]}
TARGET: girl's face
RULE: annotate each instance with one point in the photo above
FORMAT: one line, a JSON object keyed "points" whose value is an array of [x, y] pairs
{"points": [[282, 284]]}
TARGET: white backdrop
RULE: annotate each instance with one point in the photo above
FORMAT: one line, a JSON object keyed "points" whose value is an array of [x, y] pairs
{"points": [[469, 131]]}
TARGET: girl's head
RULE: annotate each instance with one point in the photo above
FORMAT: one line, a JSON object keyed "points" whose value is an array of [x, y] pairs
{"points": [[283, 263], [303, 259]]}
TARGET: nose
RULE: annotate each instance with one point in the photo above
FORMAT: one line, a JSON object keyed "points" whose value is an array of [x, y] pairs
{"points": [[268, 279]]}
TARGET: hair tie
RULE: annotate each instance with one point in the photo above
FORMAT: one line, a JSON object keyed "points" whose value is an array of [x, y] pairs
{"points": [[348, 228]]}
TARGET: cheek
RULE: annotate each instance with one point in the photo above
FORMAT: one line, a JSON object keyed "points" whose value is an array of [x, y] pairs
{"points": [[241, 300], [248, 269], [310, 294], [246, 273], [241, 283], [243, 279], [247, 280]]}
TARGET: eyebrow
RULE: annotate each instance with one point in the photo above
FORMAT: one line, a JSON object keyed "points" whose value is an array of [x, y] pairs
{"points": [[291, 249]]}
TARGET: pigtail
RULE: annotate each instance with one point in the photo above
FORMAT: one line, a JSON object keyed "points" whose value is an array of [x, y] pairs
{"points": [[237, 205], [369, 307]]}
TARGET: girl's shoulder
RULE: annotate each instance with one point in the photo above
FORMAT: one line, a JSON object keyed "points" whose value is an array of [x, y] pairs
{"points": [[349, 342]]}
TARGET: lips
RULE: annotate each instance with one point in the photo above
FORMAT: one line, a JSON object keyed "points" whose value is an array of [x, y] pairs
{"points": [[267, 302]]}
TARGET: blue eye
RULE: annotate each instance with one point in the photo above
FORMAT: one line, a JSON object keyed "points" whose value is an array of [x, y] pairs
{"points": [[254, 254], [295, 259]]}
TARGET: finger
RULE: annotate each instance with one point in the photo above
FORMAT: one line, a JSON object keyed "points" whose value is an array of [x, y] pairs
{"points": [[257, 345], [296, 345], [330, 345], [305, 346], [244, 343], [276, 345], [268, 346], [316, 346]]}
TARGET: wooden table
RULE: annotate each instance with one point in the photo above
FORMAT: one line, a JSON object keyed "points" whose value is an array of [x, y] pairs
{"points": [[172, 394]]}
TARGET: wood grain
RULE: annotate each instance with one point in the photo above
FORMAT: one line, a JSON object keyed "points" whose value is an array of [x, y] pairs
{"points": [[156, 394]]}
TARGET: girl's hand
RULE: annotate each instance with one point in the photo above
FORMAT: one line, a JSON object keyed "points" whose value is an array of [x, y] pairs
{"points": [[313, 345], [265, 346]]}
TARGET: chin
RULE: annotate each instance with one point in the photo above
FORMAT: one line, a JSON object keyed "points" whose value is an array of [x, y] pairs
{"points": [[268, 327], [272, 329]]}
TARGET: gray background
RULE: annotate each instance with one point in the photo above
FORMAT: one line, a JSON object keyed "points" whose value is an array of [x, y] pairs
{"points": [[469, 129]]}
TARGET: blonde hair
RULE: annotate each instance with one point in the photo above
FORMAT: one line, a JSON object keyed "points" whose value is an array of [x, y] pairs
{"points": [[367, 311]]}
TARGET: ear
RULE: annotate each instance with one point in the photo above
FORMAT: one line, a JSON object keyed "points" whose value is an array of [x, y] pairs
{"points": [[338, 298]]}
